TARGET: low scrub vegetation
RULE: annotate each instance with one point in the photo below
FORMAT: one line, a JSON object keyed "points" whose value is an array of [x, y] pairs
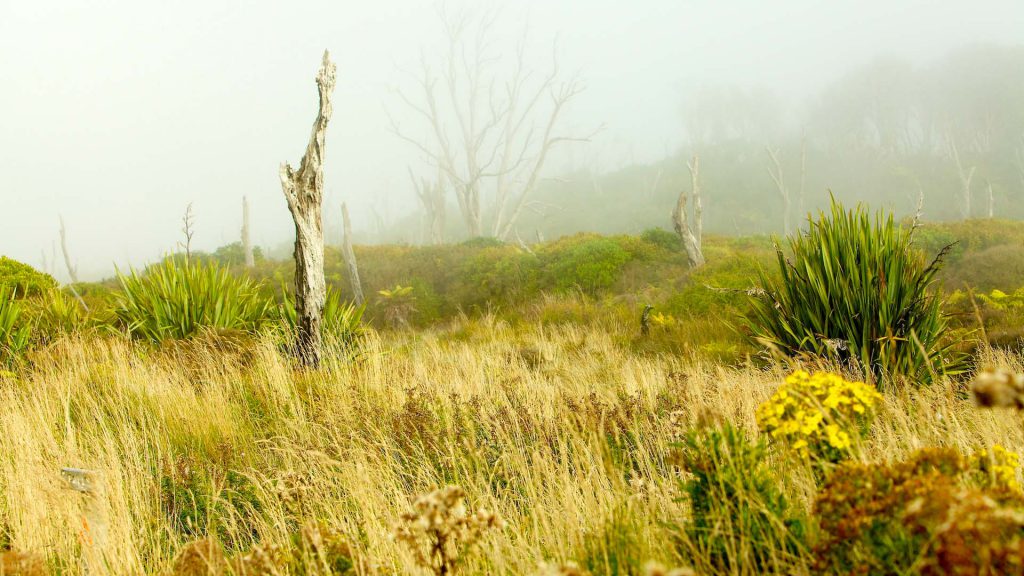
{"points": [[853, 290], [172, 301], [586, 406]]}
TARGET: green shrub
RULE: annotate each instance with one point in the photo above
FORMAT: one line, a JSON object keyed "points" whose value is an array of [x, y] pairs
{"points": [[855, 290], [662, 239], [25, 280], [14, 332], [170, 301], [55, 314], [586, 262], [739, 516], [234, 254], [994, 268]]}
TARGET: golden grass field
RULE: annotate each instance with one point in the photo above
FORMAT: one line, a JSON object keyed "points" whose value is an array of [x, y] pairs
{"points": [[561, 431]]}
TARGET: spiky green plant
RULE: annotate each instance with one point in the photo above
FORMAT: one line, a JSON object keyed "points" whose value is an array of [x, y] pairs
{"points": [[14, 333], [341, 324], [855, 290], [171, 301]]}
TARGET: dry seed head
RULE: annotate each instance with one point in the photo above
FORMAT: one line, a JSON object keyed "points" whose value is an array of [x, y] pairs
{"points": [[998, 389]]}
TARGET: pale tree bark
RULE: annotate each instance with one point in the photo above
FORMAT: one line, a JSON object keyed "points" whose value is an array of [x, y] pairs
{"points": [[72, 270], [303, 189], [991, 200], [431, 196], [803, 175], [482, 128], [919, 209], [966, 175], [653, 187], [250, 260], [775, 171], [350, 258], [681, 220]]}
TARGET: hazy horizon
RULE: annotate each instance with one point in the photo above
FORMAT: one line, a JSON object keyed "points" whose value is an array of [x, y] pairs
{"points": [[117, 115]]}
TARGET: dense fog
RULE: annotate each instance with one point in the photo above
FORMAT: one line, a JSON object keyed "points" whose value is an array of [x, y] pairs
{"points": [[546, 118]]}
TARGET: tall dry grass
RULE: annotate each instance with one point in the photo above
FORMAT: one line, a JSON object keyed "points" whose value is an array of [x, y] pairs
{"points": [[561, 431]]}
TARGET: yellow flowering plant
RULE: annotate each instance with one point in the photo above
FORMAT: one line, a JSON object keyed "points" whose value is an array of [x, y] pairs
{"points": [[816, 414], [1000, 466]]}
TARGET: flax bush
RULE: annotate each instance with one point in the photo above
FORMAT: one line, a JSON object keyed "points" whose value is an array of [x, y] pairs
{"points": [[14, 333], [855, 290], [172, 301]]}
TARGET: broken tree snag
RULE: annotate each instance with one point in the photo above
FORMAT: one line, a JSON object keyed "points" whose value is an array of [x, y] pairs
{"points": [[681, 218], [350, 258], [72, 270], [966, 175], [780, 184], [250, 261], [304, 191]]}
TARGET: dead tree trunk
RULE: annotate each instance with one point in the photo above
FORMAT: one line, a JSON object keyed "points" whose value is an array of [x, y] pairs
{"points": [[304, 191], [431, 195], [350, 258], [681, 219], [250, 261], [991, 201], [72, 270], [780, 184], [803, 175], [965, 175]]}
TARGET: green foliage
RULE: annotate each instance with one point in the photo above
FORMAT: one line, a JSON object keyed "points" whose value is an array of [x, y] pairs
{"points": [[55, 314], [171, 301], [856, 290], [739, 516], [615, 546], [482, 242], [14, 333], [662, 238], [25, 280], [193, 497], [341, 325], [234, 254], [586, 262]]}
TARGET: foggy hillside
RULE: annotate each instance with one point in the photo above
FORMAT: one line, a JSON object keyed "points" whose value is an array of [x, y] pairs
{"points": [[118, 116]]}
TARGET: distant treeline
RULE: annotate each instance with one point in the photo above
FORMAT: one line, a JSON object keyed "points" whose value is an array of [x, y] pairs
{"points": [[948, 135]]}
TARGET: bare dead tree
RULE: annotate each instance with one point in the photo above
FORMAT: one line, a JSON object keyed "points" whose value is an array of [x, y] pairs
{"points": [[483, 130], [72, 270], [250, 260], [652, 188], [188, 223], [775, 171], [991, 200], [304, 191], [681, 220], [803, 174], [919, 210], [966, 174], [350, 258], [431, 196]]}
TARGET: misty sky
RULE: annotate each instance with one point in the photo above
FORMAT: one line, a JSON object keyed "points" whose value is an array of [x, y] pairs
{"points": [[117, 114]]}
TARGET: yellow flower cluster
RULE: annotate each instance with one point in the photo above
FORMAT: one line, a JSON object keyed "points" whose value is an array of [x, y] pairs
{"points": [[815, 412], [1001, 465]]}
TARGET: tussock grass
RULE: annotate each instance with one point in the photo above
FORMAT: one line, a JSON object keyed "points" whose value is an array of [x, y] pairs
{"points": [[562, 431]]}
